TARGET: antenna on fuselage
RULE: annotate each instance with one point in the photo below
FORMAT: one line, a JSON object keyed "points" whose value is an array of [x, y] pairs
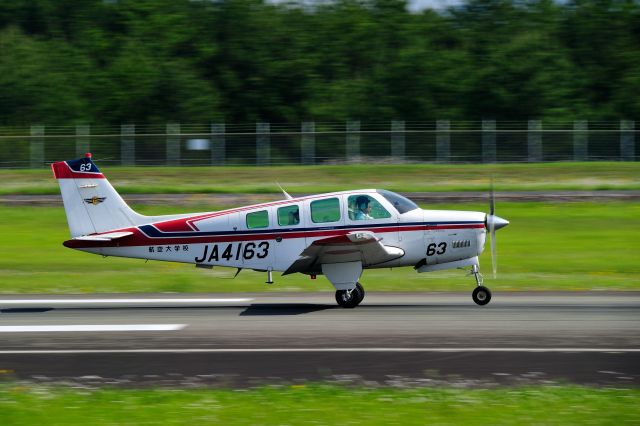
{"points": [[285, 193]]}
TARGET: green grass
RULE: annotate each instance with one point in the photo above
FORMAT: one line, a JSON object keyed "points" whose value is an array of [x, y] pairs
{"points": [[319, 405], [566, 246], [311, 179]]}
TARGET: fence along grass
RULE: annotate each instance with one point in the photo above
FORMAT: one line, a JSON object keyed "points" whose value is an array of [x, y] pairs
{"points": [[265, 144]]}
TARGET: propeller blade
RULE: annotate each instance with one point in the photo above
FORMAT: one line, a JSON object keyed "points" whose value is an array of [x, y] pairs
{"points": [[493, 223], [492, 228], [494, 254], [492, 200]]}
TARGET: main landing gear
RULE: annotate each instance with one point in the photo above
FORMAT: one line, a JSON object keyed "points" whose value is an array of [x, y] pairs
{"points": [[481, 295], [350, 298]]}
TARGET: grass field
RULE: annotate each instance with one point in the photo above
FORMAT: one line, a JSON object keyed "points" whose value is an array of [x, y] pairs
{"points": [[319, 405], [311, 179], [568, 246]]}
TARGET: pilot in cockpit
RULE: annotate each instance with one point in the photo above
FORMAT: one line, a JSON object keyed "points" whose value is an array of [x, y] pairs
{"points": [[363, 209]]}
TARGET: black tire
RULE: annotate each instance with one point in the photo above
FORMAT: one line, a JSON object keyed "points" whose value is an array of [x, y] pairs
{"points": [[481, 295], [351, 300], [361, 292]]}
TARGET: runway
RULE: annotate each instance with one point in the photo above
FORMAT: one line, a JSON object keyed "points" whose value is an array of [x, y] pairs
{"points": [[240, 339]]}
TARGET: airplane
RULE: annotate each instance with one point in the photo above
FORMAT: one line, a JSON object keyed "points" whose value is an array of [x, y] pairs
{"points": [[336, 234]]}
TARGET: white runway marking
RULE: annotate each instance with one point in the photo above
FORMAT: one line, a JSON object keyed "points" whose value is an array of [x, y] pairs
{"points": [[82, 327], [313, 350], [140, 301]]}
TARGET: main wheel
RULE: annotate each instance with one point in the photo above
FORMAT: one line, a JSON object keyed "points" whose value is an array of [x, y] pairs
{"points": [[481, 295], [350, 299]]}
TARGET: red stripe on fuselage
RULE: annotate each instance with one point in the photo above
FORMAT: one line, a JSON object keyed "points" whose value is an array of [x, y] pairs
{"points": [[175, 225], [140, 239]]}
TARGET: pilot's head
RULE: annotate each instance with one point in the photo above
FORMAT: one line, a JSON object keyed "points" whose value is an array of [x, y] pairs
{"points": [[362, 203]]}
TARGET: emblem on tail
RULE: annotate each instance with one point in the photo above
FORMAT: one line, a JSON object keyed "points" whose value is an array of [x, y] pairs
{"points": [[94, 200]]}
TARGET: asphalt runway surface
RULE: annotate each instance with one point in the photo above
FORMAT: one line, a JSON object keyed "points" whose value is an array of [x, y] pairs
{"points": [[391, 339]]}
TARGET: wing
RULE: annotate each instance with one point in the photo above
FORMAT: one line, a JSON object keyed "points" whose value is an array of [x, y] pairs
{"points": [[363, 246]]}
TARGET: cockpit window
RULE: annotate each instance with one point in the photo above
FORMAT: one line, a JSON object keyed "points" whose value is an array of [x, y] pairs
{"points": [[363, 207], [402, 204]]}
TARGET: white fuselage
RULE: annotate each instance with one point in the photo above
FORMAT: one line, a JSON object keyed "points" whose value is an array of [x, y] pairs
{"points": [[226, 238]]}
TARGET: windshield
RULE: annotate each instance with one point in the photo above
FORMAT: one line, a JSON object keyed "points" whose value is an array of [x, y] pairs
{"points": [[402, 204]]}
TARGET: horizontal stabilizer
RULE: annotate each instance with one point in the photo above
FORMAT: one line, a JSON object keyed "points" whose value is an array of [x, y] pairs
{"points": [[110, 236]]}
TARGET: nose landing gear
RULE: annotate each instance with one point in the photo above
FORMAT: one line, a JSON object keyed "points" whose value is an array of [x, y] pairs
{"points": [[481, 294], [350, 298]]}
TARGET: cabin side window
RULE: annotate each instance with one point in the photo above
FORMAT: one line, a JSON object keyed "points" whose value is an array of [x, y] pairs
{"points": [[325, 210], [288, 215], [258, 219]]}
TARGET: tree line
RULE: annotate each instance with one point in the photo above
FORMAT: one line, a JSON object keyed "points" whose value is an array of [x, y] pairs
{"points": [[241, 61]]}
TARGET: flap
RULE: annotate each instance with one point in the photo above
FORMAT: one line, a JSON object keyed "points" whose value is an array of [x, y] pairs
{"points": [[109, 236], [363, 247]]}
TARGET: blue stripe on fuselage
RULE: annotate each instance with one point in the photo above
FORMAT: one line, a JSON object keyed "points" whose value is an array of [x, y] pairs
{"points": [[153, 232]]}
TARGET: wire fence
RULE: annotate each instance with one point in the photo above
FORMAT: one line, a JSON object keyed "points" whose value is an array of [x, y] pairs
{"points": [[308, 143]]}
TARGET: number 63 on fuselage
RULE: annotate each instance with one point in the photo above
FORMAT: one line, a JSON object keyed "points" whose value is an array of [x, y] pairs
{"points": [[337, 235]]}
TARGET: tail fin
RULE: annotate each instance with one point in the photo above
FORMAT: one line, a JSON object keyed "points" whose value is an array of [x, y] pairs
{"points": [[91, 203]]}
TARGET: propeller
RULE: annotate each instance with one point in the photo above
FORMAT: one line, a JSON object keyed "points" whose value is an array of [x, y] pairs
{"points": [[493, 223]]}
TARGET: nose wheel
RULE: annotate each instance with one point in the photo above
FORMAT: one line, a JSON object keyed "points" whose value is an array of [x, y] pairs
{"points": [[350, 298], [481, 294]]}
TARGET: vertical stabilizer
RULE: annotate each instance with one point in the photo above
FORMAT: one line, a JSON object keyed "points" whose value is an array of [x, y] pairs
{"points": [[91, 203]]}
